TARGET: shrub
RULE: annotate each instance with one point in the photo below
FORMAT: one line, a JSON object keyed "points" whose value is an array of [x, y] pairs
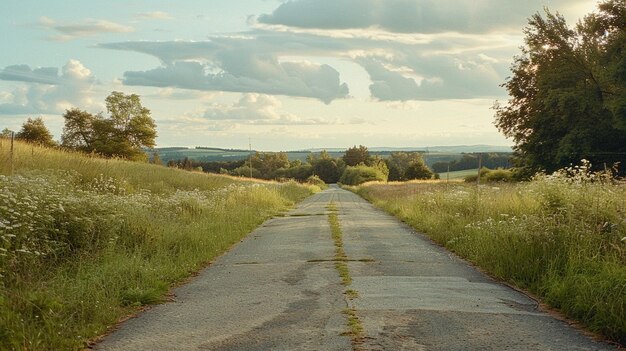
{"points": [[362, 174], [315, 180]]}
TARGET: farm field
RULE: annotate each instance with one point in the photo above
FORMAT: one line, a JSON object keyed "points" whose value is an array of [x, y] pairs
{"points": [[458, 175], [563, 239], [86, 241]]}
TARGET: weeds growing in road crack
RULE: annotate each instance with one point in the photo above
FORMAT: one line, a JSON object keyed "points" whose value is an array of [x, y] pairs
{"points": [[355, 328]]}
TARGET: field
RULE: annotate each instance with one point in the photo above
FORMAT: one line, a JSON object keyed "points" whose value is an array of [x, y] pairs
{"points": [[458, 175], [86, 241], [562, 238]]}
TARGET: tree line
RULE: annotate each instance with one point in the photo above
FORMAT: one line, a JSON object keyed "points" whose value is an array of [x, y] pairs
{"points": [[356, 166], [124, 133], [470, 161]]}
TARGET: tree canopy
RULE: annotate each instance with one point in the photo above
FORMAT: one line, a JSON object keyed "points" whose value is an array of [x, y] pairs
{"points": [[406, 166], [356, 155], [127, 130], [568, 91], [35, 131]]}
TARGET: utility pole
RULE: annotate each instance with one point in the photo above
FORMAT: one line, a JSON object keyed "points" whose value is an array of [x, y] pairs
{"points": [[250, 154], [448, 174]]}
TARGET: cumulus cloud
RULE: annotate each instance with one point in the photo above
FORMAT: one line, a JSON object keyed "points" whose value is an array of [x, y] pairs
{"points": [[254, 72], [409, 51], [434, 77], [88, 27], [45, 90], [257, 109], [409, 16]]}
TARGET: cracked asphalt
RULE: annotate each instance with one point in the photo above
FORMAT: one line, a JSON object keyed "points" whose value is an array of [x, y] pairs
{"points": [[278, 290]]}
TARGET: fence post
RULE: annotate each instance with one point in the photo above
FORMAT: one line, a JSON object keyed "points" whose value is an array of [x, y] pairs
{"points": [[480, 161], [11, 152]]}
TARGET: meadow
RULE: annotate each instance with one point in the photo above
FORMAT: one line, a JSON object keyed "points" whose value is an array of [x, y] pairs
{"points": [[86, 241], [562, 237]]}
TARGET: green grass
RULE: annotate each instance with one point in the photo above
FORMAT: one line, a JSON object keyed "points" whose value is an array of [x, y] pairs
{"points": [[562, 238], [458, 175], [340, 254], [86, 241], [355, 328]]}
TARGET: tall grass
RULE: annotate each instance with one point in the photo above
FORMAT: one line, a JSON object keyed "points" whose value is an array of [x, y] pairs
{"points": [[85, 241], [563, 238]]}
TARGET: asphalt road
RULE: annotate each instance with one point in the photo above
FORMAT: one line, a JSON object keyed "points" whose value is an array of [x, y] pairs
{"points": [[279, 290]]}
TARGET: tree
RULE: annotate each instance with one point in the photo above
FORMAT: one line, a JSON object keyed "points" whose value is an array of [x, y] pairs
{"points": [[568, 91], [131, 121], [156, 159], [78, 131], [35, 131], [6, 133], [327, 169], [269, 162], [356, 155], [406, 166], [128, 129]]}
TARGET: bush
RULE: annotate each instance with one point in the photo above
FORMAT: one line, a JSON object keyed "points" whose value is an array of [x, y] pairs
{"points": [[362, 174], [492, 176], [315, 180]]}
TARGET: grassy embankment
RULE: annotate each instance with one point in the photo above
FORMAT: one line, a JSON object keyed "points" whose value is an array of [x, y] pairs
{"points": [[564, 239], [85, 241]]}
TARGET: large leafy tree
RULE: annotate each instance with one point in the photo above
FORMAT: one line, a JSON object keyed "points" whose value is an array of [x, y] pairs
{"points": [[356, 155], [127, 130], [35, 131], [568, 91]]}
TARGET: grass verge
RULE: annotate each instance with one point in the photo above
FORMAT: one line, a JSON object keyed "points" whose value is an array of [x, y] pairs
{"points": [[562, 238], [86, 241]]}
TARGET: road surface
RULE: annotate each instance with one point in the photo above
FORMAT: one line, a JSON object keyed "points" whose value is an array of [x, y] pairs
{"points": [[279, 290]]}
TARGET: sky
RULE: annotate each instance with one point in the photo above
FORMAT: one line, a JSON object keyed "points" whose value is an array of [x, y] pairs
{"points": [[282, 75]]}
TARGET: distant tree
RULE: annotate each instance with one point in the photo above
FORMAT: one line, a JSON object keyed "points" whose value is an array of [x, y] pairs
{"points": [[406, 166], [568, 91], [245, 171], [35, 131], [269, 162], [6, 133], [128, 129], [356, 155], [325, 166], [187, 164], [156, 159], [418, 170]]}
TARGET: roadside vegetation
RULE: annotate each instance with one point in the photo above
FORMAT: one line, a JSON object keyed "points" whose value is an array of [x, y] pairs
{"points": [[560, 236], [85, 241]]}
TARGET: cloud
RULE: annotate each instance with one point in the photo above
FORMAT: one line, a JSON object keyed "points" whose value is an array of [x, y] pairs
{"points": [[254, 72], [88, 27], [45, 90], [23, 73], [257, 109], [409, 16], [155, 15], [434, 77]]}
